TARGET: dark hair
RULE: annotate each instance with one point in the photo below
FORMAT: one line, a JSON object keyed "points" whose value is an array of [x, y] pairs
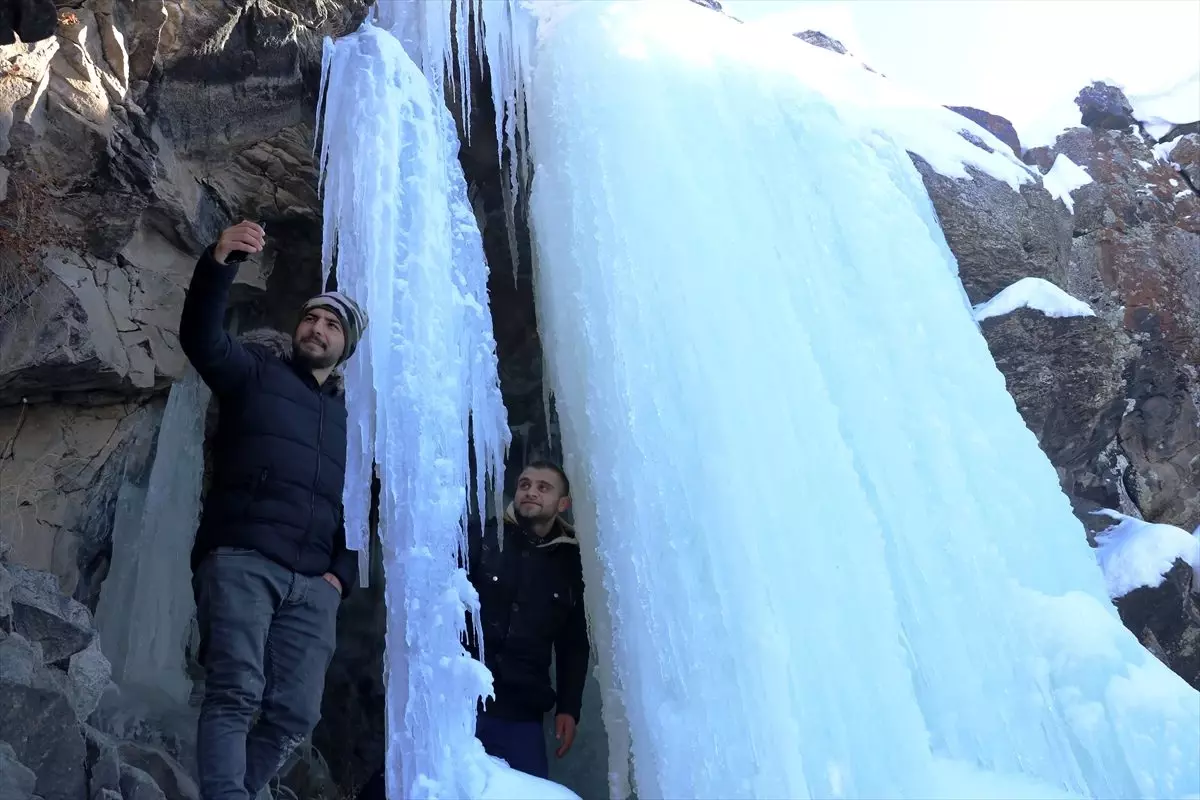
{"points": [[556, 469]]}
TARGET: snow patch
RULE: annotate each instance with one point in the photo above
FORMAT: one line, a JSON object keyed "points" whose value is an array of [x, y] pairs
{"points": [[1064, 177], [1134, 553], [1163, 150], [1159, 112], [1036, 293]]}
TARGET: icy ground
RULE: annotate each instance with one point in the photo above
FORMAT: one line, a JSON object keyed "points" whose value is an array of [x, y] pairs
{"points": [[825, 556]]}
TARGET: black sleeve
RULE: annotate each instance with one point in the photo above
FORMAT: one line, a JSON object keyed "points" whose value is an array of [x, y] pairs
{"points": [[344, 566], [571, 655], [222, 362]]}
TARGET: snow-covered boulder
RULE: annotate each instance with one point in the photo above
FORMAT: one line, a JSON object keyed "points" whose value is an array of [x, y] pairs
{"points": [[1153, 574], [1105, 106]]}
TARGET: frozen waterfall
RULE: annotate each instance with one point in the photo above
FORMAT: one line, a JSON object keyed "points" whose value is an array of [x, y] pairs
{"points": [[146, 607], [825, 556]]}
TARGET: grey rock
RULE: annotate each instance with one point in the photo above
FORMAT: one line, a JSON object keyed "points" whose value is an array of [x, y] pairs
{"points": [[997, 234], [16, 780], [1167, 620], [166, 772], [104, 764], [6, 589], [108, 794], [42, 614], [998, 126], [1185, 156], [818, 39], [1105, 106], [138, 785], [38, 721], [1066, 376], [89, 675]]}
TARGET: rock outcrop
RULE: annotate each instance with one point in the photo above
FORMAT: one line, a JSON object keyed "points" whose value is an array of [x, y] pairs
{"points": [[127, 140], [1112, 398], [52, 675]]}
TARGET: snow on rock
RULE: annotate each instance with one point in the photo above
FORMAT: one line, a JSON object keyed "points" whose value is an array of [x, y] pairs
{"points": [[1160, 112], [1162, 151], [1134, 553], [1036, 293], [1064, 177]]}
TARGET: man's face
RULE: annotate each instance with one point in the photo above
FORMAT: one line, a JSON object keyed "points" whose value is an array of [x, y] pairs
{"points": [[540, 495], [319, 339]]}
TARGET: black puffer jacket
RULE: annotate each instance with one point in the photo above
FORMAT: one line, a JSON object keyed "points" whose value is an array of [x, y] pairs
{"points": [[531, 601], [279, 453]]}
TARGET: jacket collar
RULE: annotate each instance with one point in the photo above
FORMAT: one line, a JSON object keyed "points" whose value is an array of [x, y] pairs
{"points": [[563, 533]]}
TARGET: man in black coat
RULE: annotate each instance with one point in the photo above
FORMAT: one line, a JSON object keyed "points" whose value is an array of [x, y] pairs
{"points": [[270, 561], [530, 603]]}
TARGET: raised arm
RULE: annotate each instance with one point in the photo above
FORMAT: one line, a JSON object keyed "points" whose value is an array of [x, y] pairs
{"points": [[221, 361]]}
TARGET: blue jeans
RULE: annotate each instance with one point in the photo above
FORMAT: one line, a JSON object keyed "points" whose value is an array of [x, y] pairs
{"points": [[267, 636], [521, 744]]}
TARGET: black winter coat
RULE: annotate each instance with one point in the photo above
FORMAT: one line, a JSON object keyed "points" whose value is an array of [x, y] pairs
{"points": [[279, 453], [531, 601]]}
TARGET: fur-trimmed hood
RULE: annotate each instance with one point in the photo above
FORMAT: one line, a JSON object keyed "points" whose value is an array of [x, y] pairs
{"points": [[565, 531], [279, 344]]}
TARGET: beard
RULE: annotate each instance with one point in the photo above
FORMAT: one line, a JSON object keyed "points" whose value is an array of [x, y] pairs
{"points": [[541, 515], [316, 358]]}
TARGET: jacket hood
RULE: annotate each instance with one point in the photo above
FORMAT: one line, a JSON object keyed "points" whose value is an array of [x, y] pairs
{"points": [[565, 531], [279, 344]]}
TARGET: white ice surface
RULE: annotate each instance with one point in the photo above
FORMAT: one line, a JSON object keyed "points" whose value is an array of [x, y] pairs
{"points": [[1036, 293], [146, 605], [1064, 177], [832, 557], [1134, 553], [399, 226], [825, 557]]}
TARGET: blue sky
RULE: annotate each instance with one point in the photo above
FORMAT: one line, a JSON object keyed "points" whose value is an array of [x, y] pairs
{"points": [[1021, 59]]}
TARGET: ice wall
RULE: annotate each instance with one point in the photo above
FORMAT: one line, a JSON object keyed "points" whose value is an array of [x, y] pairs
{"points": [[146, 604], [399, 227], [830, 558]]}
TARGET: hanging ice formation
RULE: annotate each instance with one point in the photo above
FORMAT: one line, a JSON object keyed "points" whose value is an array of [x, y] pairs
{"points": [[145, 611], [825, 556], [406, 245]]}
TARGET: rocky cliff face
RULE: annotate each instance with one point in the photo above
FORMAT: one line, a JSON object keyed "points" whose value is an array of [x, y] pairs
{"points": [[142, 127]]}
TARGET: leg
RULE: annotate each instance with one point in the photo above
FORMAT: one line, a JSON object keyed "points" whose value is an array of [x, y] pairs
{"points": [[299, 648], [521, 744], [236, 595]]}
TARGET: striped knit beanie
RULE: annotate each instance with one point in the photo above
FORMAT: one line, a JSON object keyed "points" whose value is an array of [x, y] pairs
{"points": [[353, 318]]}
